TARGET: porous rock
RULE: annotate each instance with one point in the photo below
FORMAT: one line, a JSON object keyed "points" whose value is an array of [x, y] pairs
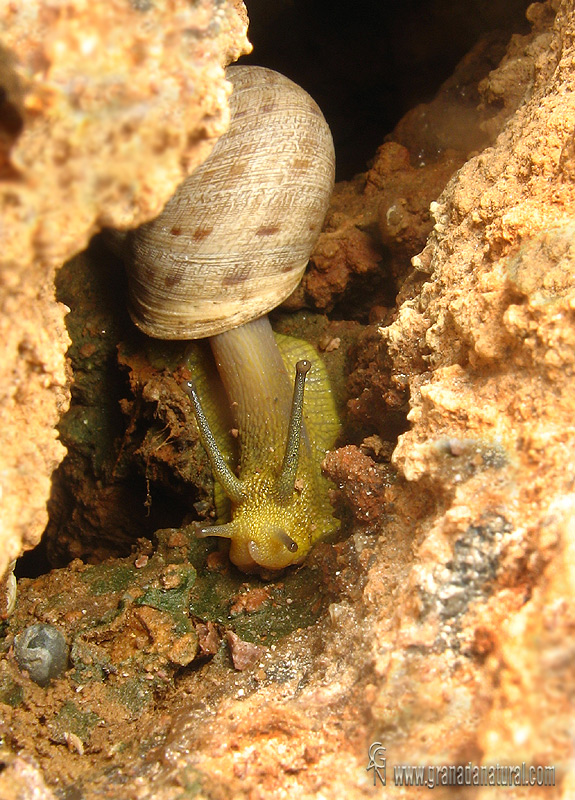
{"points": [[491, 432], [105, 108]]}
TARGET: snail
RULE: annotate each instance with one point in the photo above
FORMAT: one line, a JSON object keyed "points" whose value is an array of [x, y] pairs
{"points": [[42, 651], [229, 246]]}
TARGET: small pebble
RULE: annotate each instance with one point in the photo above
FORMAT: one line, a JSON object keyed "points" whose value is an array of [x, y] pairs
{"points": [[42, 651]]}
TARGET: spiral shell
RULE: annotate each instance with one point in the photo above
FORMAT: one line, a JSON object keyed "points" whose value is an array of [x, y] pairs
{"points": [[234, 240]]}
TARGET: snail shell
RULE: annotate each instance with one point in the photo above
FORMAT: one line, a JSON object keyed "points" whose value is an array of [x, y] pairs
{"points": [[42, 651], [234, 240]]}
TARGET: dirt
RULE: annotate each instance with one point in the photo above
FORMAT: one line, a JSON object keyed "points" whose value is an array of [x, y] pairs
{"points": [[143, 632]]}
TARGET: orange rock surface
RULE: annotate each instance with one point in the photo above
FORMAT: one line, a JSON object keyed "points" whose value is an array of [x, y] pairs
{"points": [[107, 106]]}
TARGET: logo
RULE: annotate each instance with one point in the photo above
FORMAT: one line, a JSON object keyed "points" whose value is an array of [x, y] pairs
{"points": [[376, 755]]}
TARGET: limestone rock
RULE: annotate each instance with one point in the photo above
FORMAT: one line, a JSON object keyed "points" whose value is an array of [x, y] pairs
{"points": [[105, 108]]}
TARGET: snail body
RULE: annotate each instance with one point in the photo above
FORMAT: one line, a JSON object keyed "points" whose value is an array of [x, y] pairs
{"points": [[230, 245], [277, 520]]}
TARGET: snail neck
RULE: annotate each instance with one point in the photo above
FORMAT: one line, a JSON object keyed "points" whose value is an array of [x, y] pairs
{"points": [[259, 389]]}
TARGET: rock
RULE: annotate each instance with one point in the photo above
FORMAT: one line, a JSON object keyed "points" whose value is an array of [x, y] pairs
{"points": [[106, 107]]}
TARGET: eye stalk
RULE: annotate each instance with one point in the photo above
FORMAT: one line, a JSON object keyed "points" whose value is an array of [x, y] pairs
{"points": [[231, 485], [236, 489], [286, 482]]}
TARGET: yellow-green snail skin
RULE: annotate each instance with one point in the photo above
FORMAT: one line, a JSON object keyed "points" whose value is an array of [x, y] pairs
{"points": [[230, 245]]}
